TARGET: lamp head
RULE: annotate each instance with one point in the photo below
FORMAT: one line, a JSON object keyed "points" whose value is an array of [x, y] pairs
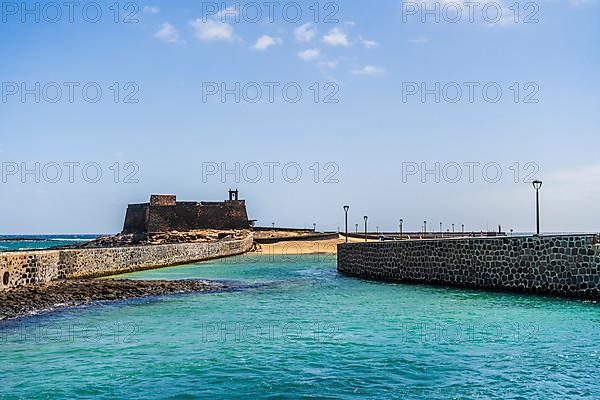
{"points": [[346, 208], [537, 185], [366, 218]]}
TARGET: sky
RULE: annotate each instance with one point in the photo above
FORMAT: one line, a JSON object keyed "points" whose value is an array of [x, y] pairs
{"points": [[433, 111]]}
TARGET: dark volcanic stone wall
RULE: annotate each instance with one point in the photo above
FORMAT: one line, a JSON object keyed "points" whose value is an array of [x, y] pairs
{"points": [[163, 200], [566, 265], [136, 219], [230, 214], [164, 215]]}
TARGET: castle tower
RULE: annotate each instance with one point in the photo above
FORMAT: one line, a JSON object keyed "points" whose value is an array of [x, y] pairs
{"points": [[234, 195]]}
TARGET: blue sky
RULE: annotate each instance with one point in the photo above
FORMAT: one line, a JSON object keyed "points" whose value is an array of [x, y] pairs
{"points": [[364, 145]]}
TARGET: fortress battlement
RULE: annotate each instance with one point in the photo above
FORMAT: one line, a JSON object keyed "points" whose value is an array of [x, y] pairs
{"points": [[165, 214]]}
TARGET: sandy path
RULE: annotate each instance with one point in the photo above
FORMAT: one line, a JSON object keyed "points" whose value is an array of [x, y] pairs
{"points": [[304, 247]]}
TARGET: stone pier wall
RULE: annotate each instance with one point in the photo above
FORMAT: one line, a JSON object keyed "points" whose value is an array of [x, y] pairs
{"points": [[565, 265], [31, 267]]}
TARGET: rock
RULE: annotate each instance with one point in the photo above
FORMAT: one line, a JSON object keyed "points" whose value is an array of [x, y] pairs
{"points": [[25, 300]]}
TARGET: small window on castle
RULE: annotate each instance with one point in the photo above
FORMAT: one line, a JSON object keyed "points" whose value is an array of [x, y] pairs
{"points": [[5, 278]]}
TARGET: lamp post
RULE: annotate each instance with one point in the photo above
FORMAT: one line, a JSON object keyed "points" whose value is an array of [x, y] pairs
{"points": [[346, 208], [425, 227], [441, 230], [462, 228], [356, 227], [273, 223], [401, 223], [366, 218], [314, 227], [537, 185], [452, 228]]}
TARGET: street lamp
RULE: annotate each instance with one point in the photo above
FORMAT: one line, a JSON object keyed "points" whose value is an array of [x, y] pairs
{"points": [[425, 227], [356, 227], [462, 228], [452, 228], [273, 223], [346, 208], [366, 218], [441, 230], [537, 185], [314, 227], [401, 223]]}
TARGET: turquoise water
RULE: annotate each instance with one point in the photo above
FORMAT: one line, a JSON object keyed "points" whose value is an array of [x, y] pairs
{"points": [[303, 331]]}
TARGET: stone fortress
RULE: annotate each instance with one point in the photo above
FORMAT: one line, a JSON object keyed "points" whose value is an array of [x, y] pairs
{"points": [[165, 214], [162, 215]]}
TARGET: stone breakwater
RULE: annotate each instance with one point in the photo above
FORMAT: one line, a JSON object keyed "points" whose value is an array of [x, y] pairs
{"points": [[565, 265], [36, 267]]}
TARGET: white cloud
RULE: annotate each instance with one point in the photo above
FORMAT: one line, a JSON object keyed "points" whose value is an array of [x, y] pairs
{"points": [[266, 41], [167, 33], [574, 188], [305, 33], [228, 12], [420, 39], [507, 18], [369, 44], [210, 30], [330, 64], [581, 181], [336, 37], [151, 10], [310, 54], [368, 70], [500, 10]]}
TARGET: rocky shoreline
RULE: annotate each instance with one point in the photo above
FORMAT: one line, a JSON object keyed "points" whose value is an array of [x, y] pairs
{"points": [[30, 300], [173, 237]]}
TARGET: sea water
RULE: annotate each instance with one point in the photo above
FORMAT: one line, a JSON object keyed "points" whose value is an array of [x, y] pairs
{"points": [[38, 242], [298, 329]]}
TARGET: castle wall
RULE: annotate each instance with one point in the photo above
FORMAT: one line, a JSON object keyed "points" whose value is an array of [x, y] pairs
{"points": [[182, 217], [231, 214], [136, 218], [163, 214], [565, 265], [163, 200], [189, 216], [35, 267]]}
